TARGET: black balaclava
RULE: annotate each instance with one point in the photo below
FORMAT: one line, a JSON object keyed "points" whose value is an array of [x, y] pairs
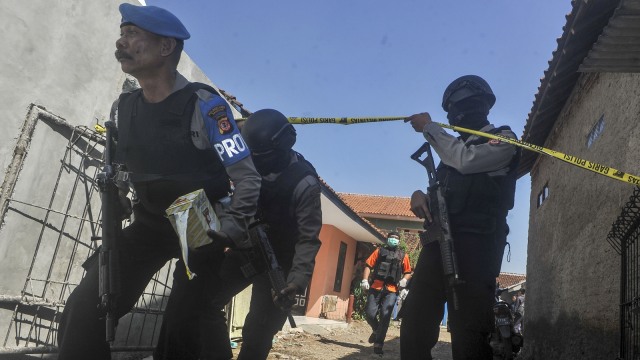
{"points": [[470, 113], [271, 162], [270, 137]]}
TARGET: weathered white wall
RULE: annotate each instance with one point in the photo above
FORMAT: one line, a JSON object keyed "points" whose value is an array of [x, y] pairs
{"points": [[572, 271], [58, 55]]}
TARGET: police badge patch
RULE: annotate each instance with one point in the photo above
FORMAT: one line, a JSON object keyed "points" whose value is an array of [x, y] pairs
{"points": [[219, 113], [222, 132], [224, 125]]}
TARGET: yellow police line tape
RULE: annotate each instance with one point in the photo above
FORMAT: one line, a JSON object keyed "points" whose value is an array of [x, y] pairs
{"points": [[573, 160]]}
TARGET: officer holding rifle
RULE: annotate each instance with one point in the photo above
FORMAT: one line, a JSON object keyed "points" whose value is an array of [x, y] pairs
{"points": [[171, 139], [289, 209], [477, 179]]}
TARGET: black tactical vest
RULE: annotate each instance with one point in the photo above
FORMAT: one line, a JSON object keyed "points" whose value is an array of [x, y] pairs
{"points": [[155, 145], [476, 202], [274, 208], [389, 265]]}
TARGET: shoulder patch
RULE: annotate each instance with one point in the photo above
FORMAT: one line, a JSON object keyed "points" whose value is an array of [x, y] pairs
{"points": [[219, 114], [494, 142], [222, 131]]}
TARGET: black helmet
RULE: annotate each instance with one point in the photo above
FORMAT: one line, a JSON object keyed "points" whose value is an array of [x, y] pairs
{"points": [[465, 87], [268, 129]]}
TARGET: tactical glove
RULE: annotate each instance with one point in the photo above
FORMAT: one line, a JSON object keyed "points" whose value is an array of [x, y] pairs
{"points": [[286, 298], [364, 284], [403, 294], [420, 205], [220, 239]]}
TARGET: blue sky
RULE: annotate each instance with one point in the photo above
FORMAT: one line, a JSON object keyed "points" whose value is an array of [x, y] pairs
{"points": [[353, 58]]}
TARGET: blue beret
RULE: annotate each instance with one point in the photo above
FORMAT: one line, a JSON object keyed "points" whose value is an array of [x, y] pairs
{"points": [[153, 19]]}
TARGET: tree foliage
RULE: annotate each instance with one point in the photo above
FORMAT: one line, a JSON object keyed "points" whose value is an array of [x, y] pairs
{"points": [[412, 252]]}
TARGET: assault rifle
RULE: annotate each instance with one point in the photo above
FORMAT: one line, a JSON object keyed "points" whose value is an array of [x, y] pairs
{"points": [[439, 229], [109, 276], [263, 257]]}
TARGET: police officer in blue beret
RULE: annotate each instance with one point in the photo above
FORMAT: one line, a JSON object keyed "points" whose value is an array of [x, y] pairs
{"points": [[174, 137]]}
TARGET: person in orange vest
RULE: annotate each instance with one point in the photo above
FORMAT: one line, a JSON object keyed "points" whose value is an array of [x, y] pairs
{"points": [[390, 270]]}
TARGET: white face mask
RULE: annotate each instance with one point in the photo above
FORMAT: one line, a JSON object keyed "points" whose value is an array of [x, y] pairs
{"points": [[393, 242]]}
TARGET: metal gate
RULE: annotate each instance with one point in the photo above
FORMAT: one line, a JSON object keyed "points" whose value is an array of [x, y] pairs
{"points": [[66, 224], [624, 236]]}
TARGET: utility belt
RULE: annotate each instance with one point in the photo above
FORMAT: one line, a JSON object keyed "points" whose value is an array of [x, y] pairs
{"points": [[157, 191], [476, 223]]}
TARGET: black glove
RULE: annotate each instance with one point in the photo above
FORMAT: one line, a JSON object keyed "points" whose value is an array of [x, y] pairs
{"points": [[220, 239], [206, 253], [286, 298]]}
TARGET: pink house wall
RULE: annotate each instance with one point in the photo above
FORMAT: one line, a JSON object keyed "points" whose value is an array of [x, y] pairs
{"points": [[325, 273]]}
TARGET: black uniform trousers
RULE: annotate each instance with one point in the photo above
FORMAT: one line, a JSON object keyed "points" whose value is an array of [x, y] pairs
{"points": [[81, 332], [479, 258], [188, 320], [262, 323], [145, 249]]}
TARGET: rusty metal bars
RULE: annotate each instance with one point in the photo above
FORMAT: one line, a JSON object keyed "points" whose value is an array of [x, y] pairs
{"points": [[36, 311], [624, 237]]}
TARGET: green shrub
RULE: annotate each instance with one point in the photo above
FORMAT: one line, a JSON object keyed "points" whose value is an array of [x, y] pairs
{"points": [[359, 304]]}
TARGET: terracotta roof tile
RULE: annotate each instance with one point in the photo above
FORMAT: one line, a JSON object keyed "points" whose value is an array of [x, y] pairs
{"points": [[356, 212], [378, 204], [509, 279]]}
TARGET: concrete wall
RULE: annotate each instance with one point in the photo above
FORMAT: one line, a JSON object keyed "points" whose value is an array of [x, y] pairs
{"points": [[58, 55], [324, 273], [572, 272]]}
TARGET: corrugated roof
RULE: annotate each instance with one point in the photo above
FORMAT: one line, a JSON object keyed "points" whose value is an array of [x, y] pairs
{"points": [[585, 26], [618, 47], [378, 204]]}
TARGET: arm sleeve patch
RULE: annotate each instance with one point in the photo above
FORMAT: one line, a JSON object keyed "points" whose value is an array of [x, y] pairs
{"points": [[223, 131]]}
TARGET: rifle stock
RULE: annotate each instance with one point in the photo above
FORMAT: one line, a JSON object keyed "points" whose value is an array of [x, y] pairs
{"points": [[439, 229], [261, 243], [109, 276]]}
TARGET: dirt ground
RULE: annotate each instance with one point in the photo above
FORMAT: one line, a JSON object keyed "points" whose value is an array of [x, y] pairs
{"points": [[345, 343]]}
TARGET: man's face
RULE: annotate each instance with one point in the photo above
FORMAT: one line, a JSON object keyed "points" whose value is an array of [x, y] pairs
{"points": [[138, 51], [393, 240]]}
